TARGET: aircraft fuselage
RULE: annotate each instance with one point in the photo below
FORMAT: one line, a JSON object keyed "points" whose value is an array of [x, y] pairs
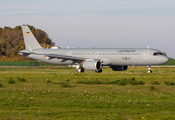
{"points": [[122, 56]]}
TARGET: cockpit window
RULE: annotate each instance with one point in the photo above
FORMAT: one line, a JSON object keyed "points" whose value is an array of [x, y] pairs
{"points": [[158, 53]]}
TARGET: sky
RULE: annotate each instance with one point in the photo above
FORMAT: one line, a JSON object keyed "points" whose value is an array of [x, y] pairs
{"points": [[97, 23]]}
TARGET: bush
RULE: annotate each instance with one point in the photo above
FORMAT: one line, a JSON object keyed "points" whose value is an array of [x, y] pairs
{"points": [[11, 81], [111, 82], [68, 80], [152, 87], [48, 81], [134, 82], [89, 82], [131, 81], [21, 79], [122, 82], [141, 82], [0, 85], [133, 78], [95, 82], [169, 83], [155, 83], [65, 84], [80, 82]]}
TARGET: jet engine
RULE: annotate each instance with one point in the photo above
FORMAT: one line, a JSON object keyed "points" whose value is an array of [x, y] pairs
{"points": [[119, 68], [92, 65]]}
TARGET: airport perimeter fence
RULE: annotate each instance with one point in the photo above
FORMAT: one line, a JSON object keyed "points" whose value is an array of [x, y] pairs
{"points": [[24, 64]]}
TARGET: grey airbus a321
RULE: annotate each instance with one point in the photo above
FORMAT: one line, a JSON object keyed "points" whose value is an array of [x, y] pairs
{"points": [[92, 59]]}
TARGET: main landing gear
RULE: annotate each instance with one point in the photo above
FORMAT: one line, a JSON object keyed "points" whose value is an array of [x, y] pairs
{"points": [[99, 71], [149, 69], [79, 69]]}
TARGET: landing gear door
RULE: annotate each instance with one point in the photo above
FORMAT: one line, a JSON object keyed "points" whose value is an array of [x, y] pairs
{"points": [[146, 52]]}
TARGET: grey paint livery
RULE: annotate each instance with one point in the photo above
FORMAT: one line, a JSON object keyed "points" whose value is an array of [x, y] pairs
{"points": [[91, 59]]}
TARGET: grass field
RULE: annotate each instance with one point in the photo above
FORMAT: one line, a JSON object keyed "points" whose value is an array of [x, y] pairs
{"points": [[61, 93], [37, 63], [171, 62]]}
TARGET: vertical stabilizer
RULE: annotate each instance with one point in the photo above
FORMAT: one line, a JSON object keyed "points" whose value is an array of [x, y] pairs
{"points": [[29, 39]]}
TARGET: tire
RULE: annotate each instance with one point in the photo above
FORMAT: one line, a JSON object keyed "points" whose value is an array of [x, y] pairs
{"points": [[99, 71], [80, 70]]}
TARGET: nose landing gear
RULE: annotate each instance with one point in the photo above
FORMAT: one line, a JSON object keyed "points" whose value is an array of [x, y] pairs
{"points": [[149, 69]]}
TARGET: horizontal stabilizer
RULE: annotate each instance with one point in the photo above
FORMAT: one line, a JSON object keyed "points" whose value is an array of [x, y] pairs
{"points": [[23, 51]]}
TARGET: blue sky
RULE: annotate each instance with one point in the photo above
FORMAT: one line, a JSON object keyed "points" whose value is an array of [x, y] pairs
{"points": [[97, 23]]}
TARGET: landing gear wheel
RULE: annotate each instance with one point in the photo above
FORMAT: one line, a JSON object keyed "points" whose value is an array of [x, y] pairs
{"points": [[80, 70], [99, 71]]}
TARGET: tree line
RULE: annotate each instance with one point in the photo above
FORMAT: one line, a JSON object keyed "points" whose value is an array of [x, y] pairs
{"points": [[12, 39]]}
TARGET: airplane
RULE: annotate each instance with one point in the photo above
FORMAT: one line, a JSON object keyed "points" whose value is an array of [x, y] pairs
{"points": [[92, 59]]}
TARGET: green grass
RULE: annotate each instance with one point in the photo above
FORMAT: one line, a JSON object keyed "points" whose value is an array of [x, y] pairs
{"points": [[171, 62], [37, 63], [64, 98]]}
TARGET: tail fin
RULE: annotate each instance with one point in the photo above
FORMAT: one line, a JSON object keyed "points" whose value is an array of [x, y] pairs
{"points": [[29, 39]]}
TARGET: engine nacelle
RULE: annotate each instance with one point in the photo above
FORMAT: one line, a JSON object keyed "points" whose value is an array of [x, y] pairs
{"points": [[119, 68], [92, 65]]}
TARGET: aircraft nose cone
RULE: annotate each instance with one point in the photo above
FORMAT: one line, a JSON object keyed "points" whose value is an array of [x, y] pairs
{"points": [[164, 60]]}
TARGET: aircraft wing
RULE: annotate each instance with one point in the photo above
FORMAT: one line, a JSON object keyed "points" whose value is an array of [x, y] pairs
{"points": [[65, 57], [51, 56]]}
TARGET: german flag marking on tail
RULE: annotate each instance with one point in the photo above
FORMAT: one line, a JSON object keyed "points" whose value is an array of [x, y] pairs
{"points": [[27, 33]]}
